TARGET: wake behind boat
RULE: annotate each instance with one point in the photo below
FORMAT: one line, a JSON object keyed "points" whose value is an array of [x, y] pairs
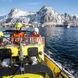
{"points": [[16, 60]]}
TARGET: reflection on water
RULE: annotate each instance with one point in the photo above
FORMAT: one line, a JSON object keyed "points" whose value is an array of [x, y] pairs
{"points": [[63, 43]]}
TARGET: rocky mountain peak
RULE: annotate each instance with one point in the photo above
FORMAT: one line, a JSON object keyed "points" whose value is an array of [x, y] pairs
{"points": [[14, 10], [16, 13], [48, 14], [46, 9]]}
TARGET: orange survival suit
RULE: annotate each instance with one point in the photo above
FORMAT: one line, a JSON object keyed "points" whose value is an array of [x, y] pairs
{"points": [[17, 37]]}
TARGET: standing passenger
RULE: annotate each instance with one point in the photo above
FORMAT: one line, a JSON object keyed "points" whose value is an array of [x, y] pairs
{"points": [[18, 35]]}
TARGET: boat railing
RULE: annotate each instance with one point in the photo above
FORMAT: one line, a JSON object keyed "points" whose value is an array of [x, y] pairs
{"points": [[25, 40]]}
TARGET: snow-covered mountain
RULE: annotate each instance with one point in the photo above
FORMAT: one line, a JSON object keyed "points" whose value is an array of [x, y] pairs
{"points": [[16, 15], [72, 20], [46, 15]]}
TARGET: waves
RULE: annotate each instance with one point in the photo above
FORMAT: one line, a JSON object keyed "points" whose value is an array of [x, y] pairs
{"points": [[62, 45]]}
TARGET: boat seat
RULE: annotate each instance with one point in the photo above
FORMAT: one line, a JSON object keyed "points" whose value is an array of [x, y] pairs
{"points": [[33, 51], [5, 53]]}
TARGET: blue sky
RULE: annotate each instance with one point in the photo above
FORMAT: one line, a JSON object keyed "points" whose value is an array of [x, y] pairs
{"points": [[61, 6]]}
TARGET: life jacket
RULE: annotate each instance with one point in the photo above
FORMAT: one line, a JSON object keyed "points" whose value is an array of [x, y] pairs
{"points": [[16, 37], [32, 35]]}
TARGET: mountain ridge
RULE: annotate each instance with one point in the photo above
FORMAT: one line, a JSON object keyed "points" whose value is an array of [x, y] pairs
{"points": [[46, 16]]}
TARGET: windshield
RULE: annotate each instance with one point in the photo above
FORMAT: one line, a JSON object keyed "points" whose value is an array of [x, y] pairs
{"points": [[24, 40]]}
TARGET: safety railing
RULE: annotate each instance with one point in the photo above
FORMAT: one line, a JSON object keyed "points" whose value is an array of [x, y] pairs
{"points": [[35, 40], [23, 40]]}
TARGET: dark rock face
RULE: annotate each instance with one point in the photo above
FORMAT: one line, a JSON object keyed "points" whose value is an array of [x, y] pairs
{"points": [[13, 10], [72, 20]]}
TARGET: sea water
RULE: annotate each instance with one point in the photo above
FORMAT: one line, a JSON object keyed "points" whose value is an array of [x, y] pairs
{"points": [[62, 43]]}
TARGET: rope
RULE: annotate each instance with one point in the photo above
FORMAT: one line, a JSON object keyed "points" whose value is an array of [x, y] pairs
{"points": [[17, 71]]}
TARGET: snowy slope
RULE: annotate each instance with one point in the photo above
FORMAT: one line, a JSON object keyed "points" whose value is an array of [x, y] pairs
{"points": [[72, 20], [16, 15], [46, 15]]}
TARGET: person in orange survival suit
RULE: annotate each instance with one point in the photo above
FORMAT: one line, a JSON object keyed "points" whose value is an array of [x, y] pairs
{"points": [[18, 36]]}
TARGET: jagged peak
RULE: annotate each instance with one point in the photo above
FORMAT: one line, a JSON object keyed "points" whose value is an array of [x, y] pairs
{"points": [[47, 8], [16, 13], [15, 10]]}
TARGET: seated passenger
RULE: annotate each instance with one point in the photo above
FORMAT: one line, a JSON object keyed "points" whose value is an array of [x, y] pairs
{"points": [[2, 42], [16, 37], [35, 33]]}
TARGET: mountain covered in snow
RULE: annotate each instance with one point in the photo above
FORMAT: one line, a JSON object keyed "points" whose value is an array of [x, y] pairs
{"points": [[68, 19], [16, 15], [46, 16]]}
